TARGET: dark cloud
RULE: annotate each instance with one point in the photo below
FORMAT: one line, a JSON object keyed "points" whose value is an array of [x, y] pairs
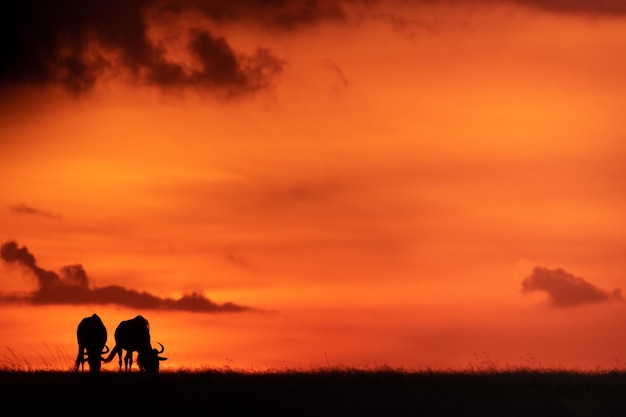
{"points": [[565, 289], [24, 209], [272, 14], [293, 14], [72, 286], [73, 43]]}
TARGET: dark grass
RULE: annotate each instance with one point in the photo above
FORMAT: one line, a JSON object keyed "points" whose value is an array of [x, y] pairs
{"points": [[318, 393]]}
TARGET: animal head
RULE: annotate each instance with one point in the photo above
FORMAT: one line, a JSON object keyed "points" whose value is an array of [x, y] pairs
{"points": [[95, 359], [149, 360]]}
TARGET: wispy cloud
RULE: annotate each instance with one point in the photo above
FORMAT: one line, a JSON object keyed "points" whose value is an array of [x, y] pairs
{"points": [[28, 210], [72, 286], [564, 289], [590, 7], [332, 65]]}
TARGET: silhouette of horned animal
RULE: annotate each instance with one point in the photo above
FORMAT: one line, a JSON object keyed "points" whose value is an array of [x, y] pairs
{"points": [[134, 336], [92, 337]]}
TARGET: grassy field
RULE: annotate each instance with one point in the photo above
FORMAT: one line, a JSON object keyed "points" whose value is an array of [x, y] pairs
{"points": [[319, 393]]}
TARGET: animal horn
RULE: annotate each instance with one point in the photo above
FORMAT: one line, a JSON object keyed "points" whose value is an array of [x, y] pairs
{"points": [[105, 350], [162, 348]]}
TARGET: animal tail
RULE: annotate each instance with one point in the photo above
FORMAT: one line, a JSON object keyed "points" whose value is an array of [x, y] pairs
{"points": [[115, 350]]}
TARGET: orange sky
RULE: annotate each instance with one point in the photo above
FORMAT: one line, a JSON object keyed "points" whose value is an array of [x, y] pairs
{"points": [[412, 183]]}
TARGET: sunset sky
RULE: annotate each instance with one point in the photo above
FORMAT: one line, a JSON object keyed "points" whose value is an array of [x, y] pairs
{"points": [[416, 184]]}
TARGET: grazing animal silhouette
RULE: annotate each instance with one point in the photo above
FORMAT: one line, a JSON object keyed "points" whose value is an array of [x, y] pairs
{"points": [[92, 337], [134, 336]]}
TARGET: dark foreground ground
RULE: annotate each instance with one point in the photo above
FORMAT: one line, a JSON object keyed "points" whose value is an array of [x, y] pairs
{"points": [[324, 393]]}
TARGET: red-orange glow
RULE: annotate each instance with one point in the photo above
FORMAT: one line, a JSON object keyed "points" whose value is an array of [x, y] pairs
{"points": [[374, 181]]}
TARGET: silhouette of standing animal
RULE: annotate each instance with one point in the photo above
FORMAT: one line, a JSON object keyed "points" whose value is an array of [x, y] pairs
{"points": [[92, 337], [134, 336]]}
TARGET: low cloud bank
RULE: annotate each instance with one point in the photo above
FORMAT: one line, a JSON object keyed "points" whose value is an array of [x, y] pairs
{"points": [[72, 286]]}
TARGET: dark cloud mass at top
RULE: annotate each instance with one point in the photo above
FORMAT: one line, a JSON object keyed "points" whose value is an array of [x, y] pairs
{"points": [[564, 289], [73, 43], [72, 286]]}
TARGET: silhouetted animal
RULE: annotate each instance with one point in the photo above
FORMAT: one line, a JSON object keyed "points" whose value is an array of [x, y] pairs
{"points": [[92, 337], [134, 336]]}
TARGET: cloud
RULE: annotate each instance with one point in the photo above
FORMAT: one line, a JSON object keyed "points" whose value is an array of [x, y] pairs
{"points": [[279, 14], [565, 289], [341, 76], [72, 286], [581, 7], [74, 43], [27, 210], [589, 7]]}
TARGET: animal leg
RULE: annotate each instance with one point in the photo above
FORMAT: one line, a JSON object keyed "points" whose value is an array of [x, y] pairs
{"points": [[128, 360], [80, 359]]}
